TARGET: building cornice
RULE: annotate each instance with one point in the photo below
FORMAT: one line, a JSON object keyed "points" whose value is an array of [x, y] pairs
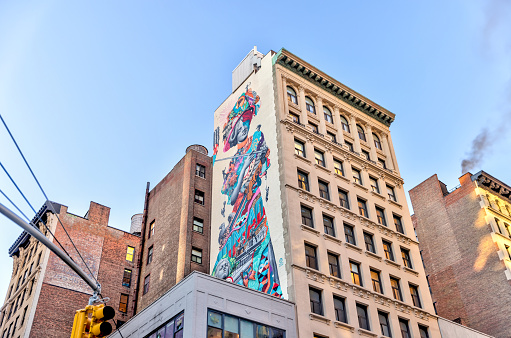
{"points": [[332, 86], [490, 183]]}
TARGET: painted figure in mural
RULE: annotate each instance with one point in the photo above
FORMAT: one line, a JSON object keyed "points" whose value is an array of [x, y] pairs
{"points": [[246, 253]]}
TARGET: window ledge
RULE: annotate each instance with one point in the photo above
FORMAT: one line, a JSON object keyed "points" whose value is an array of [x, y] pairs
{"points": [[412, 271], [353, 247], [312, 116], [315, 275], [291, 104], [329, 124], [379, 151], [301, 158], [319, 318], [346, 134], [395, 203], [332, 238], [322, 168], [374, 193], [360, 186], [341, 177], [309, 229], [364, 332], [344, 326], [389, 262], [373, 255]]}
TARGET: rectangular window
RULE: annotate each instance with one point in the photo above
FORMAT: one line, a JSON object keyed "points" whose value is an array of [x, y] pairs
{"points": [[199, 197], [362, 207], [227, 326], [380, 215], [350, 146], [331, 137], [149, 255], [130, 252], [323, 190], [316, 302], [374, 184], [340, 309], [414, 292], [366, 155], [333, 263], [387, 248], [363, 319], [151, 230], [343, 199], [368, 239], [200, 170], [406, 258], [357, 176], [23, 316], [328, 223], [295, 118], [339, 170], [303, 180], [307, 216], [423, 330], [299, 148], [320, 157], [384, 324], [311, 260], [197, 255], [349, 234], [405, 330], [123, 303], [396, 288], [391, 193], [198, 225], [508, 250], [126, 278], [314, 128], [399, 224], [375, 278], [507, 229], [355, 273], [382, 162], [146, 283]]}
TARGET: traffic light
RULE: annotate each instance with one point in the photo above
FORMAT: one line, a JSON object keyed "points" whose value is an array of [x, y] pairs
{"points": [[99, 327], [80, 324]]}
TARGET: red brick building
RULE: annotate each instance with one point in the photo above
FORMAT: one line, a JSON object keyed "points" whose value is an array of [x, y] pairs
{"points": [[465, 240], [44, 292], [176, 226]]}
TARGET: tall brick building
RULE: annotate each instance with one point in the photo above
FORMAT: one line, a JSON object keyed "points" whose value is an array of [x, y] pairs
{"points": [[176, 226], [465, 239], [44, 293]]}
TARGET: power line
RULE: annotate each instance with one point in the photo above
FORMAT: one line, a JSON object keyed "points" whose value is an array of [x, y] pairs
{"points": [[14, 205], [22, 194]]}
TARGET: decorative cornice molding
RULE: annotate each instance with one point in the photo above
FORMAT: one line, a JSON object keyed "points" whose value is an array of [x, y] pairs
{"points": [[490, 183]]}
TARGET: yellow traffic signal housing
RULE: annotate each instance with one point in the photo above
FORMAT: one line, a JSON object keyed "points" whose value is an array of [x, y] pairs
{"points": [[80, 324], [99, 327]]}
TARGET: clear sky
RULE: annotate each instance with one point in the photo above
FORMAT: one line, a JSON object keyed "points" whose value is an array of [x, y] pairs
{"points": [[104, 96]]}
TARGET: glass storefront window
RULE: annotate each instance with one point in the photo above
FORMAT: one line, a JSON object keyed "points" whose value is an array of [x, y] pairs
{"points": [[226, 326], [171, 329]]}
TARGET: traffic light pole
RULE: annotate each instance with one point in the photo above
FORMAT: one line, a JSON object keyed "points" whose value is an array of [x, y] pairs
{"points": [[96, 287]]}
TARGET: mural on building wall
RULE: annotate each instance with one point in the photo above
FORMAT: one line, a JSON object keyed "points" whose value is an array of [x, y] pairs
{"points": [[246, 254]]}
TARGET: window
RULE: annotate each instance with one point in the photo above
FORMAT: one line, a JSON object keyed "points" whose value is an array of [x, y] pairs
{"points": [[366, 155], [332, 137], [328, 115], [200, 170], [380, 215], [414, 292], [320, 157], [343, 199], [392, 195], [146, 283], [507, 229], [199, 197], [295, 118], [130, 252], [357, 177], [375, 278], [323, 190], [309, 105], [387, 248], [362, 207], [198, 225], [307, 216], [315, 299], [396, 288], [340, 309], [349, 234], [498, 225], [149, 255], [299, 148], [350, 146], [423, 330], [291, 95], [303, 180], [197, 255], [126, 278], [377, 142], [374, 184], [23, 316], [355, 273], [361, 133], [405, 331], [123, 303], [363, 320], [314, 128], [384, 324], [328, 222], [151, 230], [382, 162], [311, 260], [338, 167], [406, 258], [333, 263], [39, 258], [224, 325], [368, 239], [344, 124], [398, 224], [508, 250]]}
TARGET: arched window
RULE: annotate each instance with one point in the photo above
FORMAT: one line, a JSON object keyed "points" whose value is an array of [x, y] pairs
{"points": [[328, 115], [345, 125], [377, 142], [291, 95], [361, 133], [309, 105]]}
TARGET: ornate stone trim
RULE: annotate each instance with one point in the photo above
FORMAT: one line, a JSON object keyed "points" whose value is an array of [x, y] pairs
{"points": [[315, 275], [309, 229], [344, 326], [313, 116], [385, 231], [367, 333], [319, 318], [339, 283], [361, 292]]}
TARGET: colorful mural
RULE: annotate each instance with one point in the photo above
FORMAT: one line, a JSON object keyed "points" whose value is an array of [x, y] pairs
{"points": [[246, 254]]}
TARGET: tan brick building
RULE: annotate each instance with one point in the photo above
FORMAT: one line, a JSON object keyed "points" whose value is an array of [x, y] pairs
{"points": [[44, 293], [465, 238], [308, 203], [176, 226]]}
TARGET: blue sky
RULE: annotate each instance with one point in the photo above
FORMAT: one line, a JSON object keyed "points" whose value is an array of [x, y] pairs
{"points": [[104, 96]]}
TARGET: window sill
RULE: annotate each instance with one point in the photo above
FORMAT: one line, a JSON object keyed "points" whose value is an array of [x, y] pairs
{"points": [[380, 151], [198, 203], [412, 271], [200, 264], [319, 318], [374, 193], [344, 326], [200, 176], [318, 166], [291, 104], [312, 116], [394, 264], [364, 332], [332, 238], [395, 203], [373, 255], [301, 158], [341, 177], [198, 232], [352, 247], [360, 186], [348, 135], [329, 125], [309, 229]]}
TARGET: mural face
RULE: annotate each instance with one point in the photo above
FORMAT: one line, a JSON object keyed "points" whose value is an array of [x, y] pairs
{"points": [[246, 253]]}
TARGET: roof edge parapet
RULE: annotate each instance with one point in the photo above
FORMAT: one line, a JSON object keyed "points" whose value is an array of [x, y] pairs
{"points": [[492, 184]]}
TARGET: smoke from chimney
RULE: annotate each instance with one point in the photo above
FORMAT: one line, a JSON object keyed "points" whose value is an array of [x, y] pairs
{"points": [[479, 148]]}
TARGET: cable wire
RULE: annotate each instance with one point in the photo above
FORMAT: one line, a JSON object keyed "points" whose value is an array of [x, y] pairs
{"points": [[15, 205], [5, 170]]}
